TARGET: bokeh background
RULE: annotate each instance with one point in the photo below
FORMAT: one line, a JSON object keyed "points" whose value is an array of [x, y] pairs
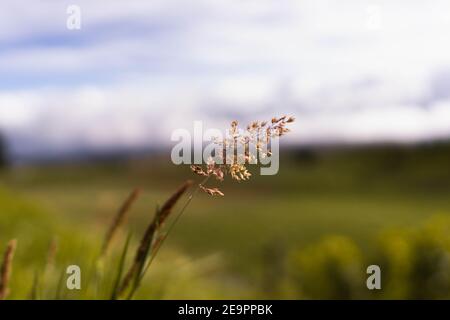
{"points": [[86, 116]]}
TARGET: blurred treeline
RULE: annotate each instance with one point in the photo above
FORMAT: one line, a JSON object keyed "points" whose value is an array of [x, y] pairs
{"points": [[3, 151]]}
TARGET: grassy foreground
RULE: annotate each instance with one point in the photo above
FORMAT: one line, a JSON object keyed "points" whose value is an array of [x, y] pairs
{"points": [[308, 232]]}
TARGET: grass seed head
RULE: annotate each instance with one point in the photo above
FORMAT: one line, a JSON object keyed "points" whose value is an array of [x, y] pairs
{"points": [[212, 191], [257, 132], [167, 207]]}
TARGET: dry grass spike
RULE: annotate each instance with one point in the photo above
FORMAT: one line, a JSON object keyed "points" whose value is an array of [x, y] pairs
{"points": [[6, 268], [148, 239], [119, 220]]}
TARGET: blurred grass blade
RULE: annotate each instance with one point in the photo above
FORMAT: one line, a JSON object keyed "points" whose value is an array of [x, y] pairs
{"points": [[34, 293], [59, 285], [123, 257], [119, 220], [6, 268]]}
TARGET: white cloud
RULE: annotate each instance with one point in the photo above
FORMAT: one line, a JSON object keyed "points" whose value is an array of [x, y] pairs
{"points": [[395, 123], [137, 70]]}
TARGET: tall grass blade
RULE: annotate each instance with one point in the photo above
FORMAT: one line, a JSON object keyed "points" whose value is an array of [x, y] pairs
{"points": [[123, 257]]}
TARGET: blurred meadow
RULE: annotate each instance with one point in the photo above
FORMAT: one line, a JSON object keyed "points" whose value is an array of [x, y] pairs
{"points": [[308, 232]]}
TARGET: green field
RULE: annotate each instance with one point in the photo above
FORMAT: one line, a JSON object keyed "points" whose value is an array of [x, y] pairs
{"points": [[250, 243]]}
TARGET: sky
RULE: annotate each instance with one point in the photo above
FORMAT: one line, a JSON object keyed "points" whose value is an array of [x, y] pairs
{"points": [[352, 71]]}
